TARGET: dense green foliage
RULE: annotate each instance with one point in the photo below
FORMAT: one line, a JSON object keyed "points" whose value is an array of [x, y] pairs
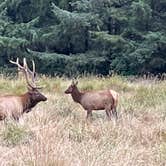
{"points": [[85, 36]]}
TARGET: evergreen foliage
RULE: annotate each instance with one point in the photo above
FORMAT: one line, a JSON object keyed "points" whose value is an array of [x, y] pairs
{"points": [[85, 36]]}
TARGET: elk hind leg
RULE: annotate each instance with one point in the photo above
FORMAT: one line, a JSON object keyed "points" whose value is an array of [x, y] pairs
{"points": [[2, 116]]}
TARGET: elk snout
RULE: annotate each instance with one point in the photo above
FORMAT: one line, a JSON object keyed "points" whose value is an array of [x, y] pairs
{"points": [[44, 98], [40, 97], [67, 91]]}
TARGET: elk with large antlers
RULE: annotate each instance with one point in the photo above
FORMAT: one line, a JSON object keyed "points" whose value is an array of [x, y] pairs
{"points": [[13, 106], [95, 100]]}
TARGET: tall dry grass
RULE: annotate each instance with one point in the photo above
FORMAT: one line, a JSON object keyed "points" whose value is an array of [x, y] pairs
{"points": [[56, 132]]}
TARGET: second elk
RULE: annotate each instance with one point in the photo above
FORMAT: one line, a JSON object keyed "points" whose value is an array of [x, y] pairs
{"points": [[13, 106], [95, 100]]}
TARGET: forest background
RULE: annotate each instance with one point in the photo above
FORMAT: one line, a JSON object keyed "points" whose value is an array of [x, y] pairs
{"points": [[69, 37]]}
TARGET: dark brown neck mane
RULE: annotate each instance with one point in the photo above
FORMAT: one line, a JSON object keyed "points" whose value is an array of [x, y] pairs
{"points": [[27, 102], [76, 95]]}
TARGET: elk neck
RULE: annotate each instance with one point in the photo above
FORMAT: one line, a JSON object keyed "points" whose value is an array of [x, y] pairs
{"points": [[27, 101], [76, 95]]}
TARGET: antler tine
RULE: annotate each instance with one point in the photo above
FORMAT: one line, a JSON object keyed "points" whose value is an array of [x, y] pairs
{"points": [[33, 65], [28, 71], [17, 63], [32, 73]]}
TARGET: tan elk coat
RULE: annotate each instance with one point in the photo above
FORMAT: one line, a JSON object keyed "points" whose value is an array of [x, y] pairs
{"points": [[95, 100]]}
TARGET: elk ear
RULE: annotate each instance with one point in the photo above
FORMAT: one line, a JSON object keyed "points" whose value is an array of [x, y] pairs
{"points": [[72, 82], [76, 82]]}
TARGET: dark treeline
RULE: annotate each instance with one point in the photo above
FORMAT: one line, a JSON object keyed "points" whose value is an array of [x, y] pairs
{"points": [[85, 36]]}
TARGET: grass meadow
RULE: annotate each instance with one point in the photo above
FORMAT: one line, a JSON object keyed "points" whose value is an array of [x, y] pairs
{"points": [[56, 133]]}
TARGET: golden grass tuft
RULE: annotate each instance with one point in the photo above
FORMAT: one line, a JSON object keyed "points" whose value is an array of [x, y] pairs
{"points": [[56, 132]]}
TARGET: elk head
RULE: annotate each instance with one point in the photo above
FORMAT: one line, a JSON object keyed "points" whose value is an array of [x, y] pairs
{"points": [[33, 90], [72, 87]]}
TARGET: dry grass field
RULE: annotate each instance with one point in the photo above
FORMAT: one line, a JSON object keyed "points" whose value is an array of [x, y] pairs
{"points": [[56, 132]]}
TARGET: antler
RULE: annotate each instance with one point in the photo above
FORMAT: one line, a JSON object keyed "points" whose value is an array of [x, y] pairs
{"points": [[32, 73], [26, 71]]}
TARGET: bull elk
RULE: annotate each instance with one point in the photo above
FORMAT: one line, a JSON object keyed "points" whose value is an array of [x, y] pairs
{"points": [[95, 100], [13, 106]]}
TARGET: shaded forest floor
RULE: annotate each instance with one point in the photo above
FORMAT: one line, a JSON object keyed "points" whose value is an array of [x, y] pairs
{"points": [[57, 133]]}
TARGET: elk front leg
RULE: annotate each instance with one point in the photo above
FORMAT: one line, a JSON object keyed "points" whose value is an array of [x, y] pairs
{"points": [[114, 113], [89, 114], [108, 113], [16, 118], [108, 110]]}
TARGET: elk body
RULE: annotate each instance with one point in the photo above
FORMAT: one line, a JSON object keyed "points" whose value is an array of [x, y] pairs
{"points": [[95, 100], [13, 106]]}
